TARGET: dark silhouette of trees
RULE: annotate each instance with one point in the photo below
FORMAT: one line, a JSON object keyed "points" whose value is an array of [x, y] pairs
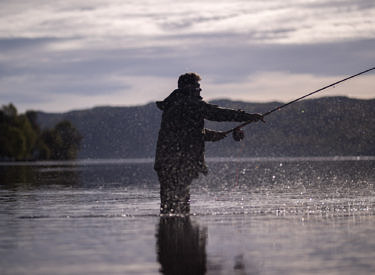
{"points": [[22, 139], [62, 141]]}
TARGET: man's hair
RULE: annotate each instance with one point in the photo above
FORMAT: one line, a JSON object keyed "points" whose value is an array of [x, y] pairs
{"points": [[188, 78]]}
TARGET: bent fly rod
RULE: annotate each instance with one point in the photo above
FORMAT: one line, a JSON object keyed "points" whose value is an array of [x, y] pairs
{"points": [[295, 100]]}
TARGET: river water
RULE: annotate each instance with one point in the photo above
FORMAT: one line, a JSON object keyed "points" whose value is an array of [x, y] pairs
{"points": [[248, 216]]}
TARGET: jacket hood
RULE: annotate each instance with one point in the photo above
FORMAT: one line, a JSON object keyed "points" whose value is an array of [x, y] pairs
{"points": [[173, 97]]}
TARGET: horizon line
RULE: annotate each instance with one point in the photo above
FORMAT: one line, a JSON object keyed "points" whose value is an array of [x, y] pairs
{"points": [[209, 100]]}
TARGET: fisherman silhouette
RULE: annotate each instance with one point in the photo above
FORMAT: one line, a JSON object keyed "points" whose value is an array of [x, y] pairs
{"points": [[180, 147]]}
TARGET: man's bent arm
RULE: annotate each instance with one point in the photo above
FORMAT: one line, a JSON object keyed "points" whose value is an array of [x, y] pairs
{"points": [[211, 135]]}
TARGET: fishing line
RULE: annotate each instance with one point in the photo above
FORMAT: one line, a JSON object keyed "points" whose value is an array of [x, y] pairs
{"points": [[295, 100]]}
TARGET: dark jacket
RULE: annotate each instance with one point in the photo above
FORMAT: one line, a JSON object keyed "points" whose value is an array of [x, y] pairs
{"points": [[180, 146]]}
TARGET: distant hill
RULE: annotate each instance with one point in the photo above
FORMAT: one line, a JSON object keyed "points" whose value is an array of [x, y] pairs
{"points": [[330, 126]]}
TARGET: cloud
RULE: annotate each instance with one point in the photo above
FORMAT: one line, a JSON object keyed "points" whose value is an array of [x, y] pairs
{"points": [[131, 52], [300, 21], [41, 94], [136, 76]]}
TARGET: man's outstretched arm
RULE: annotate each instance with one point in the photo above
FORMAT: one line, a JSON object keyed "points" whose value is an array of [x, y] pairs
{"points": [[216, 113]]}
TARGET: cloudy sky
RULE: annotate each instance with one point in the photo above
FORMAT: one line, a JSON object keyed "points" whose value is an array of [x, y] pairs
{"points": [[73, 54]]}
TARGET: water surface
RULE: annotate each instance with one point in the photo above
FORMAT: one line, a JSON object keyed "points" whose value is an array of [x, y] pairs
{"points": [[248, 216]]}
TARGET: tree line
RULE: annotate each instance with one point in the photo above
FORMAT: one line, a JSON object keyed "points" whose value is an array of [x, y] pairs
{"points": [[21, 138]]}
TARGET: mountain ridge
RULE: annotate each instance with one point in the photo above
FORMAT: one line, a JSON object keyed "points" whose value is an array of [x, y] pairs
{"points": [[326, 126]]}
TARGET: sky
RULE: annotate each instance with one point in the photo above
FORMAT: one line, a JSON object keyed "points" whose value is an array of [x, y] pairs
{"points": [[65, 55]]}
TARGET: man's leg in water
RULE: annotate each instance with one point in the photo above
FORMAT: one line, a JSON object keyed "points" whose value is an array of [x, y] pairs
{"points": [[174, 193]]}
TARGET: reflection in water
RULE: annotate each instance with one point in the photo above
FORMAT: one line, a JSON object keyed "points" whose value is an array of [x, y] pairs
{"points": [[181, 246], [40, 175], [28, 177], [14, 176]]}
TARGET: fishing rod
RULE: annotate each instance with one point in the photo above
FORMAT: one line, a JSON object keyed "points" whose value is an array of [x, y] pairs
{"points": [[237, 128]]}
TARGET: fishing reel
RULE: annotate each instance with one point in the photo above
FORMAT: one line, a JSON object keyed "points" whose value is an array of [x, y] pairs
{"points": [[238, 134]]}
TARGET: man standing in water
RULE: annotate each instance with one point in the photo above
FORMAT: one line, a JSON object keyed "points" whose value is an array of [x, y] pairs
{"points": [[180, 147]]}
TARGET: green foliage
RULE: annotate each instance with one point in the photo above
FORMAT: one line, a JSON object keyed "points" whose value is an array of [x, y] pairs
{"points": [[22, 139], [63, 141], [12, 143], [16, 138]]}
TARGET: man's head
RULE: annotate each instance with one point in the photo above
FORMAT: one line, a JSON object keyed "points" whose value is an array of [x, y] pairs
{"points": [[188, 79]]}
